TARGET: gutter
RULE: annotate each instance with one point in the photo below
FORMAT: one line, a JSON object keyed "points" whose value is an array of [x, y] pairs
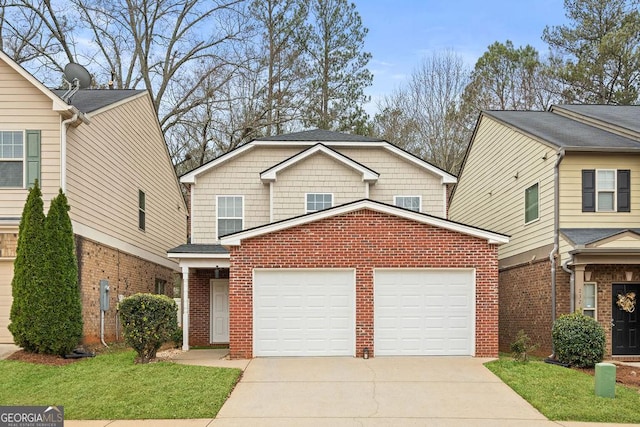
{"points": [[556, 235]]}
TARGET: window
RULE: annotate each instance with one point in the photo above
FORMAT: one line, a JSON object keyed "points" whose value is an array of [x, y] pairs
{"points": [[141, 210], [318, 201], [606, 190], [408, 202], [19, 161], [589, 300], [160, 286], [230, 213], [531, 204]]}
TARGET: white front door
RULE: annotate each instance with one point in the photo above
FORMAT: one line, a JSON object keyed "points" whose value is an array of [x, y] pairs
{"points": [[219, 310]]}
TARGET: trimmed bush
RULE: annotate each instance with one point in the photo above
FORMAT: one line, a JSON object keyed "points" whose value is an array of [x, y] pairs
{"points": [[578, 340], [148, 321], [28, 272]]}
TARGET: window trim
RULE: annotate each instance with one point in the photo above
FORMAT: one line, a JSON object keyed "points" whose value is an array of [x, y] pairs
{"points": [[537, 218], [615, 191], [395, 201], [593, 309], [218, 197], [306, 203], [142, 210], [22, 159]]}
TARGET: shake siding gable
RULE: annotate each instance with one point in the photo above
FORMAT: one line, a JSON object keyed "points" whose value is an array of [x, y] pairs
{"points": [[121, 152], [317, 174], [500, 165], [24, 107]]}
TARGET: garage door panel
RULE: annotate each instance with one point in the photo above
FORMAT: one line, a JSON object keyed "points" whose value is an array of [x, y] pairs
{"points": [[424, 312], [304, 312]]}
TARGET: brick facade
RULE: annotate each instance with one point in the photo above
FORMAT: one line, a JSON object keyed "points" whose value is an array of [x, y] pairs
{"points": [[363, 240], [127, 275]]}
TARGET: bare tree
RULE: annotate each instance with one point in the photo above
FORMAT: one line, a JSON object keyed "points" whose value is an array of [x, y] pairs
{"points": [[424, 113]]}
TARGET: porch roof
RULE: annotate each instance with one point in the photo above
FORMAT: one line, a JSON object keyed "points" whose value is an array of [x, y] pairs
{"points": [[197, 248], [587, 236]]}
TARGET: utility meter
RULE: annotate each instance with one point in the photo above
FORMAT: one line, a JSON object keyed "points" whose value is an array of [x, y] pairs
{"points": [[104, 295]]}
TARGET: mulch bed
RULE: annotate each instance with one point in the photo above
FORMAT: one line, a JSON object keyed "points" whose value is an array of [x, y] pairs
{"points": [[40, 359], [625, 374]]}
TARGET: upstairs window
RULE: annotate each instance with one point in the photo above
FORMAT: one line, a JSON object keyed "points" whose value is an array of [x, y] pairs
{"points": [[230, 214], [319, 201], [142, 210], [606, 190], [19, 161], [531, 204], [408, 202]]}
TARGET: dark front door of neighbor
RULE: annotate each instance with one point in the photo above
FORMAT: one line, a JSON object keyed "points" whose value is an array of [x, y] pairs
{"points": [[625, 318]]}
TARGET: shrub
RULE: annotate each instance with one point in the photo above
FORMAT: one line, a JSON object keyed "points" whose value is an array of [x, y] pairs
{"points": [[578, 340], [148, 321], [177, 338], [522, 347]]}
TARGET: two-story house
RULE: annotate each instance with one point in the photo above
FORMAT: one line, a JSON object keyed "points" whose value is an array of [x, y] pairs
{"points": [[322, 243], [563, 184], [106, 151]]}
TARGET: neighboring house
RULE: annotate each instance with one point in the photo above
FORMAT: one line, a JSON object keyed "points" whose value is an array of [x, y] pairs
{"points": [[565, 185], [320, 243], [106, 151]]}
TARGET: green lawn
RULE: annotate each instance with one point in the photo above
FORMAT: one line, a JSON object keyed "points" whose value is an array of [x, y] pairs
{"points": [[111, 386], [563, 394]]}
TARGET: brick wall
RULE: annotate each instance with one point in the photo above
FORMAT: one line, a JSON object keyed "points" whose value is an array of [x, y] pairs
{"points": [[200, 304], [525, 303], [127, 275], [363, 240]]}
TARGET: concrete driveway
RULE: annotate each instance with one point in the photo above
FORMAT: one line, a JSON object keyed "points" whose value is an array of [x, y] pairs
{"points": [[398, 391]]}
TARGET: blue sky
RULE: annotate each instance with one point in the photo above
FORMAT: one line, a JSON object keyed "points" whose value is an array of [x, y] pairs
{"points": [[402, 32]]}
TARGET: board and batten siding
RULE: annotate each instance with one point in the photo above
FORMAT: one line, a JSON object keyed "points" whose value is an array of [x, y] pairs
{"points": [[316, 174], [24, 107], [490, 194], [398, 177], [121, 152], [571, 215]]}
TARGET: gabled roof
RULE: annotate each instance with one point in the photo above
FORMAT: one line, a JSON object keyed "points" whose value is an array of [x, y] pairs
{"points": [[320, 135], [563, 132], [313, 137], [587, 236], [491, 237], [368, 175], [90, 100], [623, 116]]}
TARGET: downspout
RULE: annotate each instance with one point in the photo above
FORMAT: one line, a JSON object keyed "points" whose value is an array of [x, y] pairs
{"points": [[63, 151], [556, 236]]}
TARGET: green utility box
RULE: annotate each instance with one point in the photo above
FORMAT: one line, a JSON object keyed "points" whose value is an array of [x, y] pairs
{"points": [[606, 380]]}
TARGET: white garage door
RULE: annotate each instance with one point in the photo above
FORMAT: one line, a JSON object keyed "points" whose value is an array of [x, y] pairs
{"points": [[303, 312], [6, 273], [424, 312]]}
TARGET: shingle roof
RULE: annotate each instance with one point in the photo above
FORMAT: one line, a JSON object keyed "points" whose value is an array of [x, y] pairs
{"points": [[193, 248], [88, 100], [320, 135], [624, 116], [585, 236], [563, 132]]}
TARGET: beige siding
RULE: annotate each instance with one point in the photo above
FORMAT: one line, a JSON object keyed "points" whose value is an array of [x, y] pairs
{"points": [[571, 215], [6, 274], [241, 177], [503, 163], [25, 107], [400, 178], [317, 174], [120, 152]]}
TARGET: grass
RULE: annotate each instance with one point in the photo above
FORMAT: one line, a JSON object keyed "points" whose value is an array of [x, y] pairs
{"points": [[562, 394], [110, 386]]}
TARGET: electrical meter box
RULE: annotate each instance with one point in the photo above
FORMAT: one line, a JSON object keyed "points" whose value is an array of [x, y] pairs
{"points": [[104, 295]]}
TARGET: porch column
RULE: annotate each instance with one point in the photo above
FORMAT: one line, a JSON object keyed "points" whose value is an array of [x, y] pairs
{"points": [[579, 287], [185, 308]]}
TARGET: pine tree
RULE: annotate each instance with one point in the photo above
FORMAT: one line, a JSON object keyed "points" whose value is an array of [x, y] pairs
{"points": [[28, 273], [61, 315]]}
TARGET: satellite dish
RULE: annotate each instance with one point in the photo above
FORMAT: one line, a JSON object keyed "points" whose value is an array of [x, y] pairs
{"points": [[76, 72]]}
